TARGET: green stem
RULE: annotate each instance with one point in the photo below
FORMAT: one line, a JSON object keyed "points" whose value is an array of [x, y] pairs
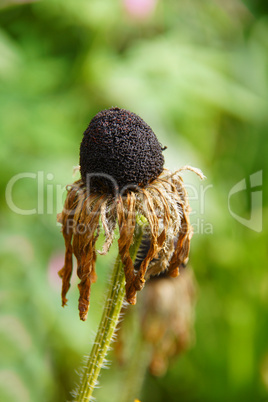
{"points": [[136, 370], [109, 320]]}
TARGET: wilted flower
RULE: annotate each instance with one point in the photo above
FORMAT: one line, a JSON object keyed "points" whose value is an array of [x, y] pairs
{"points": [[165, 315], [167, 318], [123, 182]]}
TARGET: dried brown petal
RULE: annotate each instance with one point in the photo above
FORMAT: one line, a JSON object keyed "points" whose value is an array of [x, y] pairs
{"points": [[163, 203], [126, 222]]}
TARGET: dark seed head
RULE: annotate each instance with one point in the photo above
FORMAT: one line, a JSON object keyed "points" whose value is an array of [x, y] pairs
{"points": [[119, 150]]}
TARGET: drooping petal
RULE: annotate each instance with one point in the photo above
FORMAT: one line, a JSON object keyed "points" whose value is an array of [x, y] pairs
{"points": [[126, 222]]}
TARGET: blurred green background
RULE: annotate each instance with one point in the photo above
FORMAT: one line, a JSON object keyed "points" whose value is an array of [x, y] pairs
{"points": [[197, 73]]}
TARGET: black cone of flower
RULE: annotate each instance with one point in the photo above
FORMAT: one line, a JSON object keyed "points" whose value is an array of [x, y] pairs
{"points": [[119, 150], [123, 183]]}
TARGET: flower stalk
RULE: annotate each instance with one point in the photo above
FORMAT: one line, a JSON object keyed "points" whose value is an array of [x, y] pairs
{"points": [[106, 330], [136, 370]]}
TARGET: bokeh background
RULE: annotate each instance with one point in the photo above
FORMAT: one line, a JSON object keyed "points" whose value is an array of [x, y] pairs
{"points": [[197, 73]]}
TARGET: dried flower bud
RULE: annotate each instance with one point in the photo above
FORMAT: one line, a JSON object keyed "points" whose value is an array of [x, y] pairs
{"points": [[120, 144], [119, 152], [167, 317]]}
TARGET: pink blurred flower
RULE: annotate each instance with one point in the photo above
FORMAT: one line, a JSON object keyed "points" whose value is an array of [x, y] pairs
{"points": [[140, 8], [55, 264]]}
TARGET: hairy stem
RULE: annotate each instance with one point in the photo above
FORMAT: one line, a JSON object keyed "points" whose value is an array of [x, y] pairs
{"points": [[109, 320]]}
